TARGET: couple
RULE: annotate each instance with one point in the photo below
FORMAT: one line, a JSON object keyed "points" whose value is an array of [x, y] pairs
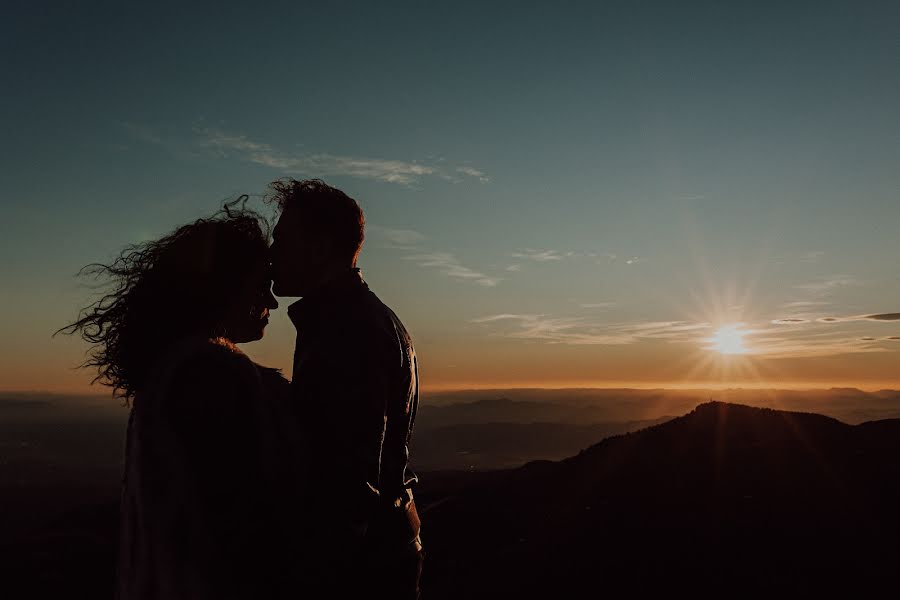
{"points": [[237, 483]]}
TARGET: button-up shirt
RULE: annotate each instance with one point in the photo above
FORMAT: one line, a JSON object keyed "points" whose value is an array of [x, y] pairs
{"points": [[355, 393]]}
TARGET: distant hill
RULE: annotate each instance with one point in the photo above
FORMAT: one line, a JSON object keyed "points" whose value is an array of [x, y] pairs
{"points": [[482, 446], [600, 405], [728, 500]]}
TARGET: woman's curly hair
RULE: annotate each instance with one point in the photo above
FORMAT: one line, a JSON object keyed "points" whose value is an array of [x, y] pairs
{"points": [[163, 290]]}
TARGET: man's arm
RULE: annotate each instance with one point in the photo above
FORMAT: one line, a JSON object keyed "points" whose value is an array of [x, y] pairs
{"points": [[352, 379]]}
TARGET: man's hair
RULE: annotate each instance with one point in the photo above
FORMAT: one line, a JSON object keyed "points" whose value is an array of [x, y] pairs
{"points": [[324, 210]]}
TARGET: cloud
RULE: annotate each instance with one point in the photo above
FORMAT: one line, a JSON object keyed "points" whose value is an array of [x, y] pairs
{"points": [[765, 342], [893, 338], [804, 304], [884, 317], [833, 319], [538, 255], [324, 164], [408, 239], [514, 268], [581, 331], [597, 304], [503, 316], [450, 266], [826, 285], [824, 336], [225, 141], [600, 258], [395, 238], [852, 318], [774, 347], [812, 256], [477, 174]]}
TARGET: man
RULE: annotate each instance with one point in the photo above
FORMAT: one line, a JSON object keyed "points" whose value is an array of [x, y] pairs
{"points": [[355, 391]]}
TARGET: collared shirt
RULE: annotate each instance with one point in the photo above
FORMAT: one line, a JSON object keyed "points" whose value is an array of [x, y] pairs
{"points": [[355, 393]]}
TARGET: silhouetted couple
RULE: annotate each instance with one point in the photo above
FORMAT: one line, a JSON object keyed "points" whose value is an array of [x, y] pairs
{"points": [[238, 483]]}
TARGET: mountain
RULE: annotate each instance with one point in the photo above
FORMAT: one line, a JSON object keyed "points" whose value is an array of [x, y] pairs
{"points": [[606, 405], [481, 446], [728, 500]]}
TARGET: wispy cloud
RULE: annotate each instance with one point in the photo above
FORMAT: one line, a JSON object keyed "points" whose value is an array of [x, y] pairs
{"points": [[884, 317], [597, 304], [582, 331], [225, 142], [887, 317], [451, 267], [514, 268], [813, 296], [394, 238], [476, 173], [774, 343], [446, 262], [773, 346], [600, 258], [538, 255], [324, 164], [799, 337], [812, 257], [803, 304], [826, 285]]}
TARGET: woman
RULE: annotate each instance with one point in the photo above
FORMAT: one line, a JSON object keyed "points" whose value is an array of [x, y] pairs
{"points": [[204, 496]]}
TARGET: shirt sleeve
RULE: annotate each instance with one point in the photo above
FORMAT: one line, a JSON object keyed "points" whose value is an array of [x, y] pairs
{"points": [[344, 388]]}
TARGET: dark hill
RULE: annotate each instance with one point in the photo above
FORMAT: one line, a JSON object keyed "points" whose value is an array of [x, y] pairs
{"points": [[483, 446], [727, 500]]}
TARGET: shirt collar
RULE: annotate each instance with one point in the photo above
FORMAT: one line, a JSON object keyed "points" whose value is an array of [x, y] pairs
{"points": [[342, 284]]}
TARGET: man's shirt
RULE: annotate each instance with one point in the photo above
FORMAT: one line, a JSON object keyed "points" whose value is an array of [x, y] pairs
{"points": [[355, 393]]}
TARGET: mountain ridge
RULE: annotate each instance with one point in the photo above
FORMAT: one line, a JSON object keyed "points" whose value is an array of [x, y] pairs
{"points": [[804, 489]]}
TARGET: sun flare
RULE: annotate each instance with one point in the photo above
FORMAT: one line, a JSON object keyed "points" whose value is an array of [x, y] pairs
{"points": [[729, 339]]}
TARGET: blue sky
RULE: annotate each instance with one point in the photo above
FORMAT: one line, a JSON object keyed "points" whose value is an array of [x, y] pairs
{"points": [[557, 193]]}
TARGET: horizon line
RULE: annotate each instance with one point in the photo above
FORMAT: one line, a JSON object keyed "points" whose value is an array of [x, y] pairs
{"points": [[611, 386]]}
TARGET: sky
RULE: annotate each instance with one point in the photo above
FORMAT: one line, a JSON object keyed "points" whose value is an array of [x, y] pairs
{"points": [[561, 194]]}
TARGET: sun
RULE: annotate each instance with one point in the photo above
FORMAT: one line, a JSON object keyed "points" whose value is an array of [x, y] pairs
{"points": [[729, 339]]}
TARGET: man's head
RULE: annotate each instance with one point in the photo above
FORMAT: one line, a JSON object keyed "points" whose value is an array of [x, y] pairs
{"points": [[319, 233]]}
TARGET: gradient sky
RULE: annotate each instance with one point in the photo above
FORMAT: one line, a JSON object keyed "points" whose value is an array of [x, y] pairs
{"points": [[557, 194]]}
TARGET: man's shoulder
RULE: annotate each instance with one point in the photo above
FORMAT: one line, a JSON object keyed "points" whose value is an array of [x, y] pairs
{"points": [[362, 324]]}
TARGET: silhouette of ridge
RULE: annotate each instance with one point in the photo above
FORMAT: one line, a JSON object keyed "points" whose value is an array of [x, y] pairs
{"points": [[753, 499]]}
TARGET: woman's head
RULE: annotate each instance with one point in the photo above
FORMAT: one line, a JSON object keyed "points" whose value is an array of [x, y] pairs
{"points": [[210, 277]]}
